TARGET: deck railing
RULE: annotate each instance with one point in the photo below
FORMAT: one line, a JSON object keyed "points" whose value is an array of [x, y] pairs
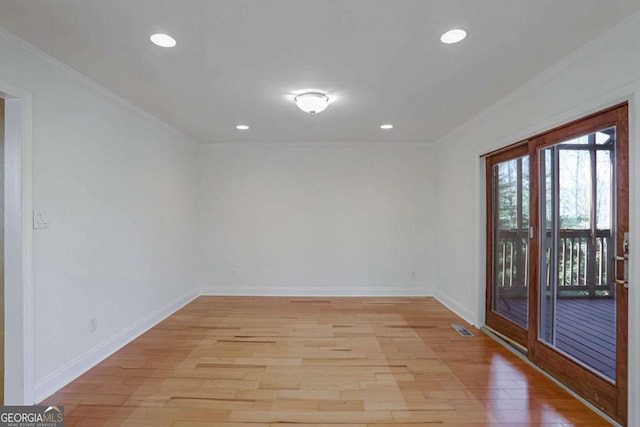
{"points": [[583, 262]]}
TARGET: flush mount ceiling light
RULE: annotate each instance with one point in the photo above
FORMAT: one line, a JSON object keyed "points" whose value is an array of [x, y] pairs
{"points": [[386, 126], [453, 36], [242, 127], [312, 102], [163, 40]]}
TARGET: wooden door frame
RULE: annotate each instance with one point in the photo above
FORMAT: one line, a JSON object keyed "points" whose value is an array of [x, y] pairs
{"points": [[19, 294], [609, 397], [622, 303], [494, 320]]}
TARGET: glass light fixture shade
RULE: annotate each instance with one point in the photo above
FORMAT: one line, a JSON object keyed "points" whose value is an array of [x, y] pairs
{"points": [[163, 40], [312, 102], [453, 36]]}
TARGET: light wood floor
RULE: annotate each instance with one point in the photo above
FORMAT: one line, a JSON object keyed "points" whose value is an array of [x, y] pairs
{"points": [[259, 362]]}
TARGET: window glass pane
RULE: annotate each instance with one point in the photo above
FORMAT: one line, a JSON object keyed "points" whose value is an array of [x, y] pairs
{"points": [[580, 140], [577, 301], [575, 189], [605, 136], [603, 186], [511, 240], [601, 137]]}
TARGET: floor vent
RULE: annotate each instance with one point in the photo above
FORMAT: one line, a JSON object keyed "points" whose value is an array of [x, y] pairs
{"points": [[461, 330]]}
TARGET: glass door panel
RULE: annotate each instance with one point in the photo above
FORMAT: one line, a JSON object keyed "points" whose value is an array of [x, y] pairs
{"points": [[577, 304], [511, 240]]}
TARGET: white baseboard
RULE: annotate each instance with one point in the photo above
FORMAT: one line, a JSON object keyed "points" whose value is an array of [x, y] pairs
{"points": [[72, 370], [326, 291], [458, 309]]}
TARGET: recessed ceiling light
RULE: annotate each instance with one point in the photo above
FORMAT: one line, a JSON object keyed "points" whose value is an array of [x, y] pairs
{"points": [[242, 127], [453, 36], [386, 127], [163, 40]]}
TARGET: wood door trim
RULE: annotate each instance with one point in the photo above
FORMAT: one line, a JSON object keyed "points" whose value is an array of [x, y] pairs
{"points": [[493, 319], [577, 129], [591, 386], [534, 273], [622, 296]]}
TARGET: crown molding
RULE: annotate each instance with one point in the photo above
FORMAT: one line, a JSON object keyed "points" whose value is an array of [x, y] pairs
{"points": [[93, 85]]}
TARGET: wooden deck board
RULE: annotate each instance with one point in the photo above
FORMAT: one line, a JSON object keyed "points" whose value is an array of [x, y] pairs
{"points": [[357, 362], [586, 329]]}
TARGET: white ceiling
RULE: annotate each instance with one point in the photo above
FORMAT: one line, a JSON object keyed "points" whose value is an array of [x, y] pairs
{"points": [[238, 60]]}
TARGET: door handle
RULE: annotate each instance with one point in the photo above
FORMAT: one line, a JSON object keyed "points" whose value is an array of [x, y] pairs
{"points": [[624, 282]]}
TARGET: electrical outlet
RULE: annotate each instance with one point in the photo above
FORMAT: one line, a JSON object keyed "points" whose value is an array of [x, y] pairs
{"points": [[414, 275], [93, 324]]}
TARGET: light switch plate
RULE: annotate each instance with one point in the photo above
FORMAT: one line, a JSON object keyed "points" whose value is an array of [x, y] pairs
{"points": [[40, 219]]}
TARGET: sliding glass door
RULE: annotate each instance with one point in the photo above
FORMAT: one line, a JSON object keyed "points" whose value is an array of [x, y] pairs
{"points": [[560, 202], [578, 295], [508, 243]]}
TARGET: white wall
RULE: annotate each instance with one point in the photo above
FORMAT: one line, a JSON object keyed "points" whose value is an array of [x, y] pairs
{"points": [[317, 219], [603, 73], [120, 191]]}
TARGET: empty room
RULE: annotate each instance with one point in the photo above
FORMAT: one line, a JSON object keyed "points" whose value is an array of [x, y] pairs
{"points": [[366, 213]]}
